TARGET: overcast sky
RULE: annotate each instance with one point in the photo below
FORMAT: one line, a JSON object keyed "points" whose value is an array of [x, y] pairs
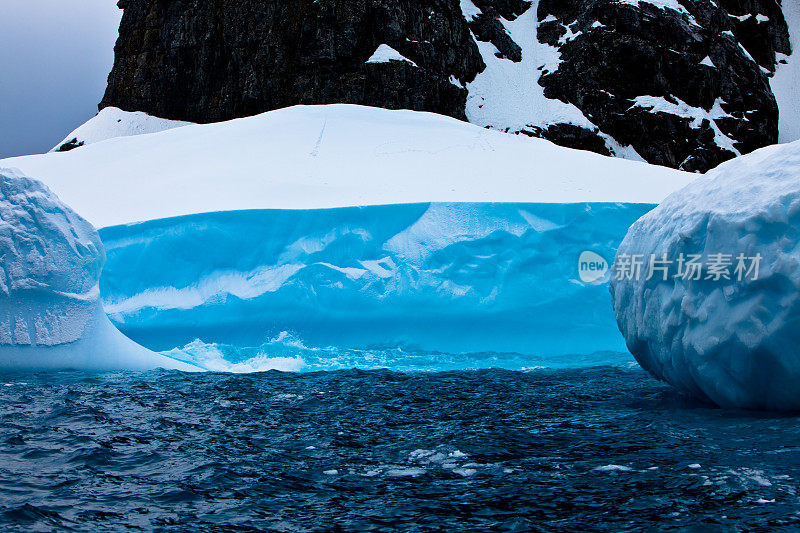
{"points": [[55, 56]]}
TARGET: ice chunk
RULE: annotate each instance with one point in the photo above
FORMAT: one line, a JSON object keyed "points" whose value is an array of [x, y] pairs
{"points": [[50, 263], [727, 329]]}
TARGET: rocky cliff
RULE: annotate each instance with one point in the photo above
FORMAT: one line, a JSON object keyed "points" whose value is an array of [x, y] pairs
{"points": [[682, 83]]}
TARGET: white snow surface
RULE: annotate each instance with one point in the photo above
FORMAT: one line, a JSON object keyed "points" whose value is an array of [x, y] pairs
{"points": [[786, 81], [308, 157], [507, 95], [51, 316], [113, 122], [386, 53], [735, 342], [469, 10]]}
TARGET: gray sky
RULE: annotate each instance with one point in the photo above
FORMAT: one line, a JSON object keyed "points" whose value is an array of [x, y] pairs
{"points": [[55, 56]]}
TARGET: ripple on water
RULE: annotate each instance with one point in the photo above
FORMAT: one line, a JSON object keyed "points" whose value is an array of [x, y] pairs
{"points": [[597, 448]]}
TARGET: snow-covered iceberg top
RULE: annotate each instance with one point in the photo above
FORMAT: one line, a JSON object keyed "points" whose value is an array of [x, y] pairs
{"points": [[50, 311], [706, 286], [113, 122], [308, 157]]}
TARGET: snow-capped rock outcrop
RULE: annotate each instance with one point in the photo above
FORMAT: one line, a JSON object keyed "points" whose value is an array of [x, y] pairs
{"points": [[50, 311], [681, 83], [111, 123], [685, 83], [719, 316]]}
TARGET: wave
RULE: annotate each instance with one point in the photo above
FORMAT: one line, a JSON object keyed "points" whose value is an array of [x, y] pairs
{"points": [[288, 353]]}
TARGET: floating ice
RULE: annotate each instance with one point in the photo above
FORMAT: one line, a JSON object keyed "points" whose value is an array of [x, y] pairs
{"points": [[487, 263], [50, 263], [728, 329]]}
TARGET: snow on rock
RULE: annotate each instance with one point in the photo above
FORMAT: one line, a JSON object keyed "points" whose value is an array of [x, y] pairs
{"points": [[50, 311], [729, 332], [308, 157], [507, 94], [698, 115], [469, 10], [707, 62], [113, 122], [386, 53], [661, 4]]}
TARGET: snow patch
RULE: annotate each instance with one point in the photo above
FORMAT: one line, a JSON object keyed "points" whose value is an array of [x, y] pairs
{"points": [[673, 5], [385, 54], [507, 95], [469, 10], [785, 83]]}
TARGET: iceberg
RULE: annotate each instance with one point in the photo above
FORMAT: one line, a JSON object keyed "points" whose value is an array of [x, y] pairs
{"points": [[725, 329], [326, 156], [449, 277], [51, 316], [355, 227]]}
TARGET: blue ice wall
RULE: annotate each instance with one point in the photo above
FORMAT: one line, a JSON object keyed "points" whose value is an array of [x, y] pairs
{"points": [[464, 277]]}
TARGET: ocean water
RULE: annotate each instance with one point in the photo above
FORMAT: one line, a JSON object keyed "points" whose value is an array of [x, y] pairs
{"points": [[545, 449]]}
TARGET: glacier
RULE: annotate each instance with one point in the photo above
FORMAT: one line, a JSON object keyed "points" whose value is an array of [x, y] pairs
{"points": [[51, 316], [725, 334]]}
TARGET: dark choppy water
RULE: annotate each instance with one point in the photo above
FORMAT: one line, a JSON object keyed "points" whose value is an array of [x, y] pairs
{"points": [[601, 448]]}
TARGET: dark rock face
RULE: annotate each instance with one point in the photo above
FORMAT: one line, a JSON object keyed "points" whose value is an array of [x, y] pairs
{"points": [[685, 87], [625, 51], [760, 27], [570, 135], [213, 60]]}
